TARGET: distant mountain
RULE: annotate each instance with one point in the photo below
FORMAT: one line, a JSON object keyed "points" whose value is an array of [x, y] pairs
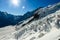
{"points": [[6, 19], [9, 19]]}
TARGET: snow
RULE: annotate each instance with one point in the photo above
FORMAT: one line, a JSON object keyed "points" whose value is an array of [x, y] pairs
{"points": [[6, 32], [54, 34]]}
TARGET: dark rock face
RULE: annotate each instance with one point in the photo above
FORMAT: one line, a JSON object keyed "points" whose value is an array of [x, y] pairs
{"points": [[36, 15], [58, 39]]}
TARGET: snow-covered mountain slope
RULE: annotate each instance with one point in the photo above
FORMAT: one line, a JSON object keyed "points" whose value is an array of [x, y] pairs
{"points": [[44, 27]]}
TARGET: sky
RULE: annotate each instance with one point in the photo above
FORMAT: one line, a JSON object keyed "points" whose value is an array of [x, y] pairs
{"points": [[20, 7]]}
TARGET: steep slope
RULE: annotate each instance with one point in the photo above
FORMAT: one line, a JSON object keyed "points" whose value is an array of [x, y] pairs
{"points": [[39, 27]]}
